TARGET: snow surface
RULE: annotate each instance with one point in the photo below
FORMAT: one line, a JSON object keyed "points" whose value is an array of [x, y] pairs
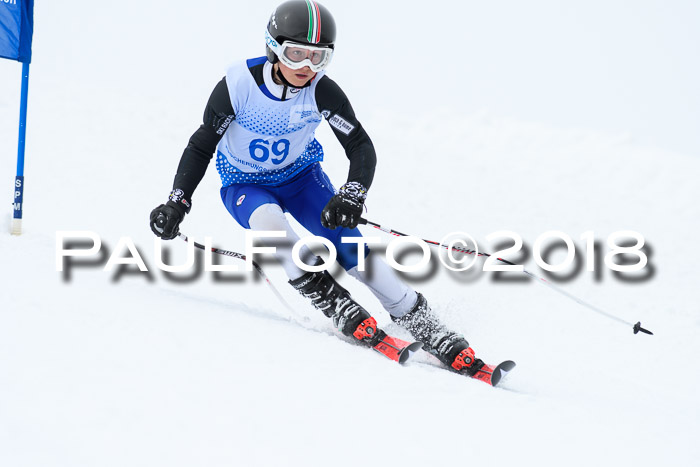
{"points": [[104, 369]]}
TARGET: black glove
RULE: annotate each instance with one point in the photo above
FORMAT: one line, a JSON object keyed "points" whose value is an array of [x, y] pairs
{"points": [[345, 208], [166, 218]]}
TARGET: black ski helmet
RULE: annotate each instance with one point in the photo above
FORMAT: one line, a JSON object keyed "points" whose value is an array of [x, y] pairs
{"points": [[303, 22]]}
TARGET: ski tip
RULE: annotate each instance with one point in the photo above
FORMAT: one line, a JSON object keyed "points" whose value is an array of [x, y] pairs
{"points": [[500, 371], [638, 327], [408, 350]]}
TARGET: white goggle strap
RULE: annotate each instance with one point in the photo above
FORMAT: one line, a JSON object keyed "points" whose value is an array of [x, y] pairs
{"points": [[273, 44]]}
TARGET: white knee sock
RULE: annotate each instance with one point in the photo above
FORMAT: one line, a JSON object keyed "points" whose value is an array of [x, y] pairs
{"points": [[271, 217], [395, 296]]}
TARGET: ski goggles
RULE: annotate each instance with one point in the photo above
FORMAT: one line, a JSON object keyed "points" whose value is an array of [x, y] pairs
{"points": [[296, 56]]}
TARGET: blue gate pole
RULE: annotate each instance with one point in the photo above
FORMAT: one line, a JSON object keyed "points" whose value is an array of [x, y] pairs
{"points": [[19, 179]]}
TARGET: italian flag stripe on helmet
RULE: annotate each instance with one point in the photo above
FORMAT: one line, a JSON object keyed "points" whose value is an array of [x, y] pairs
{"points": [[314, 35]]}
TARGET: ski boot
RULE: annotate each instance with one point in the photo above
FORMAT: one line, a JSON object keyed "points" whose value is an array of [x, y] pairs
{"points": [[336, 303], [449, 347]]}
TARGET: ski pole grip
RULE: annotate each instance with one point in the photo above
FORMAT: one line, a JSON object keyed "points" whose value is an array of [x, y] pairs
{"points": [[160, 223], [362, 221]]}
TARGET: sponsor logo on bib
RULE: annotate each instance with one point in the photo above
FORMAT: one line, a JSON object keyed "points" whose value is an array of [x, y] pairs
{"points": [[302, 114]]}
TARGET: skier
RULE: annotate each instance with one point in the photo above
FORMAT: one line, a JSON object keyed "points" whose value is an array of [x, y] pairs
{"points": [[260, 121]]}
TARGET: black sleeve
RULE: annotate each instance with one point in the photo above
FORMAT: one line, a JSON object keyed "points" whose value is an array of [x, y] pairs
{"points": [[335, 106], [218, 115]]}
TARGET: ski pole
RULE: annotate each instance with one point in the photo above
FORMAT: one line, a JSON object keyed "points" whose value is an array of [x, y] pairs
{"points": [[257, 267], [636, 327]]}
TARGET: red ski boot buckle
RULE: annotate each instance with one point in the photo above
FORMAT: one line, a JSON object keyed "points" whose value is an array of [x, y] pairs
{"points": [[464, 359], [366, 329]]}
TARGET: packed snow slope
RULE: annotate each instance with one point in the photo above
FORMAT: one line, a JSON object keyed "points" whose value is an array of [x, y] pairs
{"points": [[115, 368]]}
